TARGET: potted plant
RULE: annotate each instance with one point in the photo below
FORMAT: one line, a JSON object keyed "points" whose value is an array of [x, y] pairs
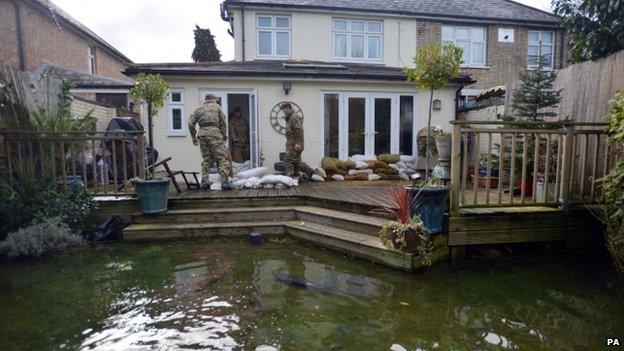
{"points": [[406, 233], [152, 90], [443, 144], [435, 66]]}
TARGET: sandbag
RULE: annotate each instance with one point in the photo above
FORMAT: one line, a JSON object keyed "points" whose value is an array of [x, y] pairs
{"points": [[340, 164], [341, 172], [321, 172], [404, 176], [389, 177], [376, 164], [277, 179], [361, 176], [395, 166], [254, 172], [338, 177], [386, 171], [317, 178], [360, 171], [349, 164], [409, 158], [252, 183], [216, 186], [361, 165], [389, 158], [356, 158], [374, 177], [329, 164]]}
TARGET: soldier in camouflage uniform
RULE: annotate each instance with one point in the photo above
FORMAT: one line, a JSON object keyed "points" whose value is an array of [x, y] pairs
{"points": [[211, 138], [239, 134], [294, 142]]}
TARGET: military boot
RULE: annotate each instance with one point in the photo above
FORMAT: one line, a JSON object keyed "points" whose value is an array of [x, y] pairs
{"points": [[226, 186]]}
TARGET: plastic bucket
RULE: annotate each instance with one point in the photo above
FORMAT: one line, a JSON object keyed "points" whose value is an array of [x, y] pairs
{"points": [[153, 195]]}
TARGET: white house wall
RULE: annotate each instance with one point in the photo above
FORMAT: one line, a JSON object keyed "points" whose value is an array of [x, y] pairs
{"points": [[305, 93], [312, 36]]}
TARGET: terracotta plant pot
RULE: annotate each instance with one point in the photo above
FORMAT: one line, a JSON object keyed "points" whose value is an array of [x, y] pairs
{"points": [[413, 240]]}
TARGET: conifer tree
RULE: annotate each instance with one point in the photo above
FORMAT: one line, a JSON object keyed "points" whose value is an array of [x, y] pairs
{"points": [[205, 46], [535, 93]]}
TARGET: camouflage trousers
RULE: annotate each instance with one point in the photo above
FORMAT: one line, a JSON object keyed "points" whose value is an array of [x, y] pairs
{"points": [[293, 163], [213, 147]]}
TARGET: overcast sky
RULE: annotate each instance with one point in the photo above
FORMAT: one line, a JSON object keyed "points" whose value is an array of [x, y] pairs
{"points": [[162, 30]]}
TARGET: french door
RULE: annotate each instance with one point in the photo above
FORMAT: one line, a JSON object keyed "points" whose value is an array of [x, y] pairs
{"points": [[374, 123], [247, 102]]}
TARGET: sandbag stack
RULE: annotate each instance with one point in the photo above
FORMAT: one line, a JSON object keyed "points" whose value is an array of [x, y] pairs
{"points": [[362, 167]]}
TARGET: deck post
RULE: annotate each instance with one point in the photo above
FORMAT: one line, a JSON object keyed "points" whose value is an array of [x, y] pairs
{"points": [[566, 164], [455, 168], [140, 159]]}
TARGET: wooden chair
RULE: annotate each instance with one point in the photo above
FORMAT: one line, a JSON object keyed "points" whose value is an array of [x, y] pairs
{"points": [[173, 174]]}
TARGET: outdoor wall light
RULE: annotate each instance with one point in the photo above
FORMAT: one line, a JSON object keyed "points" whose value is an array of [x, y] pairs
{"points": [[437, 105], [287, 86]]}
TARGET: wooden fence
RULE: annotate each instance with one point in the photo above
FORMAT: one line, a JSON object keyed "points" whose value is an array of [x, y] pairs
{"points": [[497, 163], [103, 162]]}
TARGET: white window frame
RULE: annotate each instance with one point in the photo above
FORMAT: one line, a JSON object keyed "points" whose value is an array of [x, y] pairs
{"points": [[539, 43], [274, 30], [366, 34], [471, 41], [91, 59], [176, 105]]}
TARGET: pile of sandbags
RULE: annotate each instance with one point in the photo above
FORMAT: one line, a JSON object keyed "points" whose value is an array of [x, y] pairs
{"points": [[260, 178], [367, 167], [240, 167]]}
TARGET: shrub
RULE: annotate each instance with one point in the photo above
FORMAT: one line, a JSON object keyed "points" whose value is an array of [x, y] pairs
{"points": [[47, 236], [20, 209]]}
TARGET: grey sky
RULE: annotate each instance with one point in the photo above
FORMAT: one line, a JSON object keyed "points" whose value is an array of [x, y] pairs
{"points": [[162, 30]]}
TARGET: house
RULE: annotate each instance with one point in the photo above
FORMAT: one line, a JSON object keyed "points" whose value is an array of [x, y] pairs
{"points": [[39, 37], [340, 62]]}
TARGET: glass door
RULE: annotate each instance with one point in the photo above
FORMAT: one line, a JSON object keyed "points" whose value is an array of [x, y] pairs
{"points": [[380, 135], [356, 124]]}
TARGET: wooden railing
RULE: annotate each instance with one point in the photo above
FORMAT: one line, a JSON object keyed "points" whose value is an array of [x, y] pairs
{"points": [[103, 162], [498, 163]]}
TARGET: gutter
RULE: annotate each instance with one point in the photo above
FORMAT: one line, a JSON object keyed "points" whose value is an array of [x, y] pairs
{"points": [[19, 35]]}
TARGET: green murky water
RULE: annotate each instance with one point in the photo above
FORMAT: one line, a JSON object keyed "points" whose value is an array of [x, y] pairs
{"points": [[223, 295]]}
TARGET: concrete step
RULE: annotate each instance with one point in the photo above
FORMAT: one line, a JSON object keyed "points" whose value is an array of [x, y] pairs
{"points": [[219, 215], [165, 231], [352, 243]]}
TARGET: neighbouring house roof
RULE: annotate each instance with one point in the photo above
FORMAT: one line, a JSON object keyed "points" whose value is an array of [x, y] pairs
{"points": [[488, 10], [61, 16], [278, 68], [81, 80]]}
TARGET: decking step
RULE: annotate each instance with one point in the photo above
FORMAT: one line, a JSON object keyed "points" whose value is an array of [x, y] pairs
{"points": [[160, 231], [349, 242], [368, 225], [219, 215]]}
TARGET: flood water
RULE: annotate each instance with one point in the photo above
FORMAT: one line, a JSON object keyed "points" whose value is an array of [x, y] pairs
{"points": [[223, 295]]}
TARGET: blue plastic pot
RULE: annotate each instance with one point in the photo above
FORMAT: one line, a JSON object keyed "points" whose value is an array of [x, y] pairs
{"points": [[430, 205], [153, 195], [255, 238]]}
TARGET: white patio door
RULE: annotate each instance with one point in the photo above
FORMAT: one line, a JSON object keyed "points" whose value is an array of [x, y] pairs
{"points": [[369, 124]]}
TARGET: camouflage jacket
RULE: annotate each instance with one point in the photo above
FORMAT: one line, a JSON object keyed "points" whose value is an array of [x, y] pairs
{"points": [[210, 118], [294, 132], [239, 131]]}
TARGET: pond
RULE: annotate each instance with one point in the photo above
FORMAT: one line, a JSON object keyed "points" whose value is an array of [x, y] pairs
{"points": [[224, 295]]}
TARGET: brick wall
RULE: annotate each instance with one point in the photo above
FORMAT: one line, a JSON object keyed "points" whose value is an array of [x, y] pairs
{"points": [[44, 40], [504, 61]]}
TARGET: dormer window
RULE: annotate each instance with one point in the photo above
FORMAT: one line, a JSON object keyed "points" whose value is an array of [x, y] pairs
{"points": [[357, 40], [273, 39]]}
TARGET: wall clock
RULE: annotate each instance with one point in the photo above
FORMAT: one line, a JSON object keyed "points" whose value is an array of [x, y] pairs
{"points": [[278, 122]]}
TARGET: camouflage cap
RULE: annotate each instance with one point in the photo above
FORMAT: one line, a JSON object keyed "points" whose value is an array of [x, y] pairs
{"points": [[210, 97]]}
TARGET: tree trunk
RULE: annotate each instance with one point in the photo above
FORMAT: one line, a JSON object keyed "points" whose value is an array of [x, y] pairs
{"points": [[428, 136]]}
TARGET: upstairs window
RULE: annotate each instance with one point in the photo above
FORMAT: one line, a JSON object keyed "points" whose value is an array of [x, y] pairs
{"points": [[176, 116], [543, 41], [91, 59], [273, 38], [470, 39], [357, 40]]}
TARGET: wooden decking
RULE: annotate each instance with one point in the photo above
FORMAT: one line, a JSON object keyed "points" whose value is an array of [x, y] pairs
{"points": [[374, 194]]}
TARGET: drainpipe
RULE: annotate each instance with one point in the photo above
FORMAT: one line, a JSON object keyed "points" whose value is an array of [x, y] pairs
{"points": [[18, 32], [243, 29], [225, 17]]}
